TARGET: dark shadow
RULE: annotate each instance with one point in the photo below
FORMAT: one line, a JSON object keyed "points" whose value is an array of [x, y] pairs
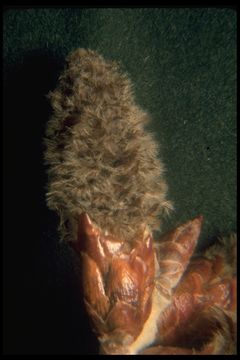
{"points": [[43, 313]]}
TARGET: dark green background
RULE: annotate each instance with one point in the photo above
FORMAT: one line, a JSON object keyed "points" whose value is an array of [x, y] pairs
{"points": [[182, 62]]}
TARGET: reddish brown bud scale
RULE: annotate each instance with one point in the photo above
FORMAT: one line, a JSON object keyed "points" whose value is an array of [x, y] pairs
{"points": [[174, 252], [118, 280], [135, 303]]}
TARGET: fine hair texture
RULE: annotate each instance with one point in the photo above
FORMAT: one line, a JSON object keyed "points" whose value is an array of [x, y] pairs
{"points": [[100, 158]]}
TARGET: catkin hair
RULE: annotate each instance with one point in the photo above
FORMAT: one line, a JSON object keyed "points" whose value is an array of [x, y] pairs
{"points": [[100, 158]]}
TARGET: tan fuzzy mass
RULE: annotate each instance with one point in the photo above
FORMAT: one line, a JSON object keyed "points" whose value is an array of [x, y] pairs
{"points": [[100, 158]]}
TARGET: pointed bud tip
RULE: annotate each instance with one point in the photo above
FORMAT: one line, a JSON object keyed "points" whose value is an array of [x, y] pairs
{"points": [[85, 224], [85, 218], [199, 219]]}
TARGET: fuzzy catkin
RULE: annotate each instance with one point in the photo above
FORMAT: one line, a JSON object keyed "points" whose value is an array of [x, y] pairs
{"points": [[100, 158]]}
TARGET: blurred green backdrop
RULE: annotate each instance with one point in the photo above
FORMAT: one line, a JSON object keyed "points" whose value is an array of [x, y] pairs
{"points": [[182, 62]]}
